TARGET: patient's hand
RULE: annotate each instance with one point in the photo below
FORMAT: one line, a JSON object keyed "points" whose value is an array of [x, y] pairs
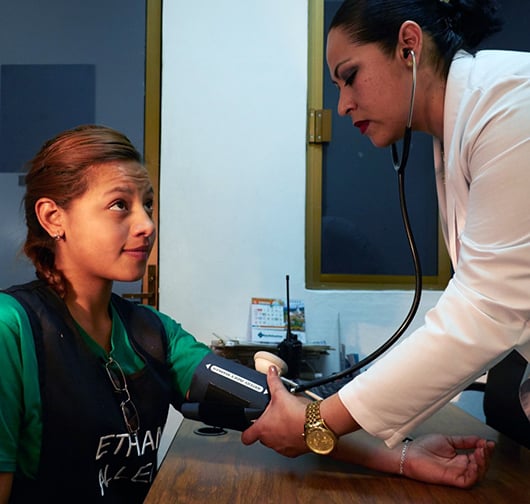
{"points": [[459, 461]]}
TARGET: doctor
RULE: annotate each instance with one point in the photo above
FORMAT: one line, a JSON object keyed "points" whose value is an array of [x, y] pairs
{"points": [[477, 108]]}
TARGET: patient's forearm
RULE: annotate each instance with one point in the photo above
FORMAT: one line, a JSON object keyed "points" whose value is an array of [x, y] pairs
{"points": [[362, 449]]}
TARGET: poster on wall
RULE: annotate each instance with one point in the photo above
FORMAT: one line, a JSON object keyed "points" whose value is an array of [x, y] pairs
{"points": [[269, 319]]}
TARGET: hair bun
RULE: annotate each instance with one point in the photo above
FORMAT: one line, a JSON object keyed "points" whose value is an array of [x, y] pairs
{"points": [[451, 13], [472, 20]]}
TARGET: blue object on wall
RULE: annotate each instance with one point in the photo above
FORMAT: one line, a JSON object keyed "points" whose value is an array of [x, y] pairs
{"points": [[39, 101]]}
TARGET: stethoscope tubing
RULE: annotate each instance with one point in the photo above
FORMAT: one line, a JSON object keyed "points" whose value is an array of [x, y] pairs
{"points": [[399, 166]]}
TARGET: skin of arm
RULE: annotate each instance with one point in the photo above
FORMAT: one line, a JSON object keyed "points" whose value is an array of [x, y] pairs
{"points": [[459, 461], [6, 480], [288, 410], [433, 458]]}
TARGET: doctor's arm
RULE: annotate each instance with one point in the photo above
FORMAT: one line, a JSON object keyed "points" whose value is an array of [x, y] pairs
{"points": [[281, 425]]}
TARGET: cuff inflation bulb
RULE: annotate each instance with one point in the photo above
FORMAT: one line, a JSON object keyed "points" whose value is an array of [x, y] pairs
{"points": [[263, 360]]}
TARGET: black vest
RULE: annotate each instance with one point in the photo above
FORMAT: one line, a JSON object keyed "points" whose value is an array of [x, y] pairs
{"points": [[87, 454]]}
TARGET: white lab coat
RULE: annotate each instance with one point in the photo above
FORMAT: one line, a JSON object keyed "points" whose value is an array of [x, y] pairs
{"points": [[484, 198]]}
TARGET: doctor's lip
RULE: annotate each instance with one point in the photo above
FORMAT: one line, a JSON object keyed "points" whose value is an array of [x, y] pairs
{"points": [[362, 125]]}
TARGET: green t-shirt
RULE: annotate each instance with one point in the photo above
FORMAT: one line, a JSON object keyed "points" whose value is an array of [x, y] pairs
{"points": [[20, 406]]}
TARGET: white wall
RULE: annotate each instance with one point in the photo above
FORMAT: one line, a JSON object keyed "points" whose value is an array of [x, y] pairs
{"points": [[233, 176]]}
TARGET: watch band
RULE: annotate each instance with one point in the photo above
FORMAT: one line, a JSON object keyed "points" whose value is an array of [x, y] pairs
{"points": [[312, 413]]}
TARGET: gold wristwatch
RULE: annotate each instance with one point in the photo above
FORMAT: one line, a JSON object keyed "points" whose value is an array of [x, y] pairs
{"points": [[319, 438]]}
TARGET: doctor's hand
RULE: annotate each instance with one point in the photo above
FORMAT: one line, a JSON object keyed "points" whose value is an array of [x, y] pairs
{"points": [[281, 425], [459, 461]]}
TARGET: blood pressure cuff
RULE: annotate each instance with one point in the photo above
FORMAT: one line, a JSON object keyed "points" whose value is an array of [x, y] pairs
{"points": [[226, 394]]}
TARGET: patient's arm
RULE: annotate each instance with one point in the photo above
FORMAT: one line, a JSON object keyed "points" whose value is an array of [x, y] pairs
{"points": [[459, 461]]}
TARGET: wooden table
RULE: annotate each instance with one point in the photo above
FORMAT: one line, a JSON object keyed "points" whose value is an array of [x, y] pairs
{"points": [[221, 470]]}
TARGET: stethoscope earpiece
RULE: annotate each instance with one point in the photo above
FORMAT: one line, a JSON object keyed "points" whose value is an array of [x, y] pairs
{"points": [[408, 52]]}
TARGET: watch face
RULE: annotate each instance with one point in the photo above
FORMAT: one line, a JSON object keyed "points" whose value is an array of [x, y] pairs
{"points": [[320, 440]]}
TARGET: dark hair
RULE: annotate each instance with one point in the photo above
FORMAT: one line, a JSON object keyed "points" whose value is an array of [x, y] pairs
{"points": [[60, 171], [451, 24]]}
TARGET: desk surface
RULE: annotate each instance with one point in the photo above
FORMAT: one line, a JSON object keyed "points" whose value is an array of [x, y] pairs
{"points": [[219, 470]]}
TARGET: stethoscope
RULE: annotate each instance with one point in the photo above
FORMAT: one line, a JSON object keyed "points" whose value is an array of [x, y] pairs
{"points": [[399, 166]]}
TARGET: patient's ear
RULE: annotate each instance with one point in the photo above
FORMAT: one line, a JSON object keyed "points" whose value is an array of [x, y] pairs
{"points": [[50, 216]]}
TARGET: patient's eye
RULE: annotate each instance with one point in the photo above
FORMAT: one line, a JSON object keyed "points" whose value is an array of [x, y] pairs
{"points": [[119, 205]]}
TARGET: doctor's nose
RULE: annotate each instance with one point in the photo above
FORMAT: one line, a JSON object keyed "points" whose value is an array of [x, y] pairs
{"points": [[346, 104]]}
